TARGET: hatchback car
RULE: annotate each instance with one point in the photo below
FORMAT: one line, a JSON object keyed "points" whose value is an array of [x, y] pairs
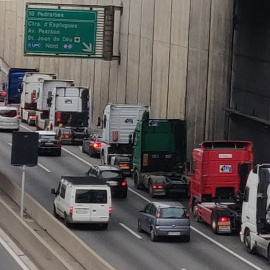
{"points": [[165, 219], [92, 145], [48, 143], [9, 118], [114, 178]]}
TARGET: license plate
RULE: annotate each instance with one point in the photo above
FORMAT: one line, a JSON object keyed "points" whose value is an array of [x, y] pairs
{"points": [[224, 228], [49, 143], [81, 211], [112, 183], [174, 233]]}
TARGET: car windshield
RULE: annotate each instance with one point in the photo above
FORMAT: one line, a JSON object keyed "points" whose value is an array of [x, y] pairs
{"points": [[111, 174], [172, 212], [47, 137], [8, 113], [91, 196]]}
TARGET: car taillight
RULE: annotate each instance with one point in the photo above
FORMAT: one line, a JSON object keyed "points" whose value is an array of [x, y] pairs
{"points": [[187, 215], [124, 165], [224, 219], [124, 183], [110, 209], [65, 136], [32, 117], [71, 210], [158, 187], [158, 215], [97, 145]]}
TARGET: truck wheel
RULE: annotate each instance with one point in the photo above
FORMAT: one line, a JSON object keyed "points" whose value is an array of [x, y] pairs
{"points": [[151, 190], [195, 212], [137, 184], [214, 225], [247, 241]]}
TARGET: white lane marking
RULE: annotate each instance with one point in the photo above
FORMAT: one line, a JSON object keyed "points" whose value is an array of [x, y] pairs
{"points": [[138, 194], [226, 249], [196, 230], [128, 229], [13, 254], [81, 159], [43, 167], [27, 128]]}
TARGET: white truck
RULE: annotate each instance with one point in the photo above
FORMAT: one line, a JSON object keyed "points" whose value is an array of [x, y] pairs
{"points": [[255, 228], [69, 113], [31, 87], [47, 89], [119, 120]]}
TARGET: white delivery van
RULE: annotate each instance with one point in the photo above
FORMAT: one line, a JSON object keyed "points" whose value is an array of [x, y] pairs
{"points": [[9, 119], [83, 200]]}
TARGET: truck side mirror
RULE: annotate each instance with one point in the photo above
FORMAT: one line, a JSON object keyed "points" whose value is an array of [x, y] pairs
{"points": [[99, 122]]}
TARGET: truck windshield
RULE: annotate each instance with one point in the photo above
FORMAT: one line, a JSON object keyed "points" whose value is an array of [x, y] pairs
{"points": [[91, 196], [172, 212], [8, 113]]}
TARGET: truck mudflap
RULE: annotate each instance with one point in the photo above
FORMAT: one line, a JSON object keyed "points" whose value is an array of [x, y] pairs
{"points": [[179, 186]]}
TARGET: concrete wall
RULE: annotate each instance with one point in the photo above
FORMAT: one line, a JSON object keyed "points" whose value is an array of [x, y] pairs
{"points": [[175, 57]]}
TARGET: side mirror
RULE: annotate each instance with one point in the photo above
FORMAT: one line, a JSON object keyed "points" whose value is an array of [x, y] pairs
{"points": [[53, 191], [99, 122], [130, 138], [49, 101]]}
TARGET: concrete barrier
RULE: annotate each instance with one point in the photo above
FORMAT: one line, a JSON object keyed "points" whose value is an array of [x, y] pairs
{"points": [[87, 257], [31, 241]]}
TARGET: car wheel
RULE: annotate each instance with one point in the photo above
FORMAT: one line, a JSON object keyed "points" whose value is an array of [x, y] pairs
{"points": [[136, 182], [268, 259], [54, 212], [104, 226], [214, 225], [247, 241], [140, 226], [90, 152], [186, 238], [66, 221], [59, 153], [153, 236], [83, 151]]}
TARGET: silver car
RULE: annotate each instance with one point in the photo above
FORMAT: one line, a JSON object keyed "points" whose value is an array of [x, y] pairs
{"points": [[165, 219]]}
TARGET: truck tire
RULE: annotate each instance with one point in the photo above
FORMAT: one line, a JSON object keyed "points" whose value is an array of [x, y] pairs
{"points": [[247, 241], [214, 224], [195, 212], [136, 180]]}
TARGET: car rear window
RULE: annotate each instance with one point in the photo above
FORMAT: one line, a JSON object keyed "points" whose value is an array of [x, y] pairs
{"points": [[111, 174], [47, 137], [8, 113], [91, 196], [172, 212]]}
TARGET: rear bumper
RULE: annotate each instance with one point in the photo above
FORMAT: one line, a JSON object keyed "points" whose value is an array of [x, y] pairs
{"points": [[88, 220], [43, 150], [160, 231]]}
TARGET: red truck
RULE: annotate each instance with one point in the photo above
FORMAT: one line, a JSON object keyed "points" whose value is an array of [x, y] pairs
{"points": [[219, 174]]}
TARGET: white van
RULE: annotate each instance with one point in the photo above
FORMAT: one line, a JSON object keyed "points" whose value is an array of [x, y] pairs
{"points": [[83, 200], [9, 119]]}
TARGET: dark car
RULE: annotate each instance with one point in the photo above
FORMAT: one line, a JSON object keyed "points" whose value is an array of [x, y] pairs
{"points": [[48, 143], [92, 145], [114, 178], [123, 163], [165, 219]]}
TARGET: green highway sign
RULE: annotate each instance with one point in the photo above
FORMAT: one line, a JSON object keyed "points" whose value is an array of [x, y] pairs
{"points": [[60, 32]]}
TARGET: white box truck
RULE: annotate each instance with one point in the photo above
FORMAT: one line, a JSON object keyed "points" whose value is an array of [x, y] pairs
{"points": [[70, 113], [31, 87], [119, 120], [255, 228], [46, 90]]}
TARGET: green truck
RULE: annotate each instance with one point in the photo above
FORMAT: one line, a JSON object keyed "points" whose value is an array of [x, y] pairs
{"points": [[159, 156]]}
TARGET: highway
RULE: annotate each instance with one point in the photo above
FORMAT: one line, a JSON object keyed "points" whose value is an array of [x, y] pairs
{"points": [[121, 245]]}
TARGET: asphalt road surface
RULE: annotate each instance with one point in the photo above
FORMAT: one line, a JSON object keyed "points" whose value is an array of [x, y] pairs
{"points": [[122, 245]]}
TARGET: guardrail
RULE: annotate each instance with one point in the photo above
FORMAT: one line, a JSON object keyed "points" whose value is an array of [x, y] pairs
{"points": [[87, 257]]}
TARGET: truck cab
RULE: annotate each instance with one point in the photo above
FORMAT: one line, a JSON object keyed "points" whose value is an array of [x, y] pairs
{"points": [[255, 228]]}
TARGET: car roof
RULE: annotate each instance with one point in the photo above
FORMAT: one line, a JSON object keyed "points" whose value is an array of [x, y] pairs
{"points": [[45, 132], [168, 204], [83, 181], [108, 168]]}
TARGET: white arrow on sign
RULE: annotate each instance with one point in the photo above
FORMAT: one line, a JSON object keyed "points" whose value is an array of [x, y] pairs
{"points": [[87, 48]]}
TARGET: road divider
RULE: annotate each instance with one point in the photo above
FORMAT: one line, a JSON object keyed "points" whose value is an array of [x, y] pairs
{"points": [[34, 244]]}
